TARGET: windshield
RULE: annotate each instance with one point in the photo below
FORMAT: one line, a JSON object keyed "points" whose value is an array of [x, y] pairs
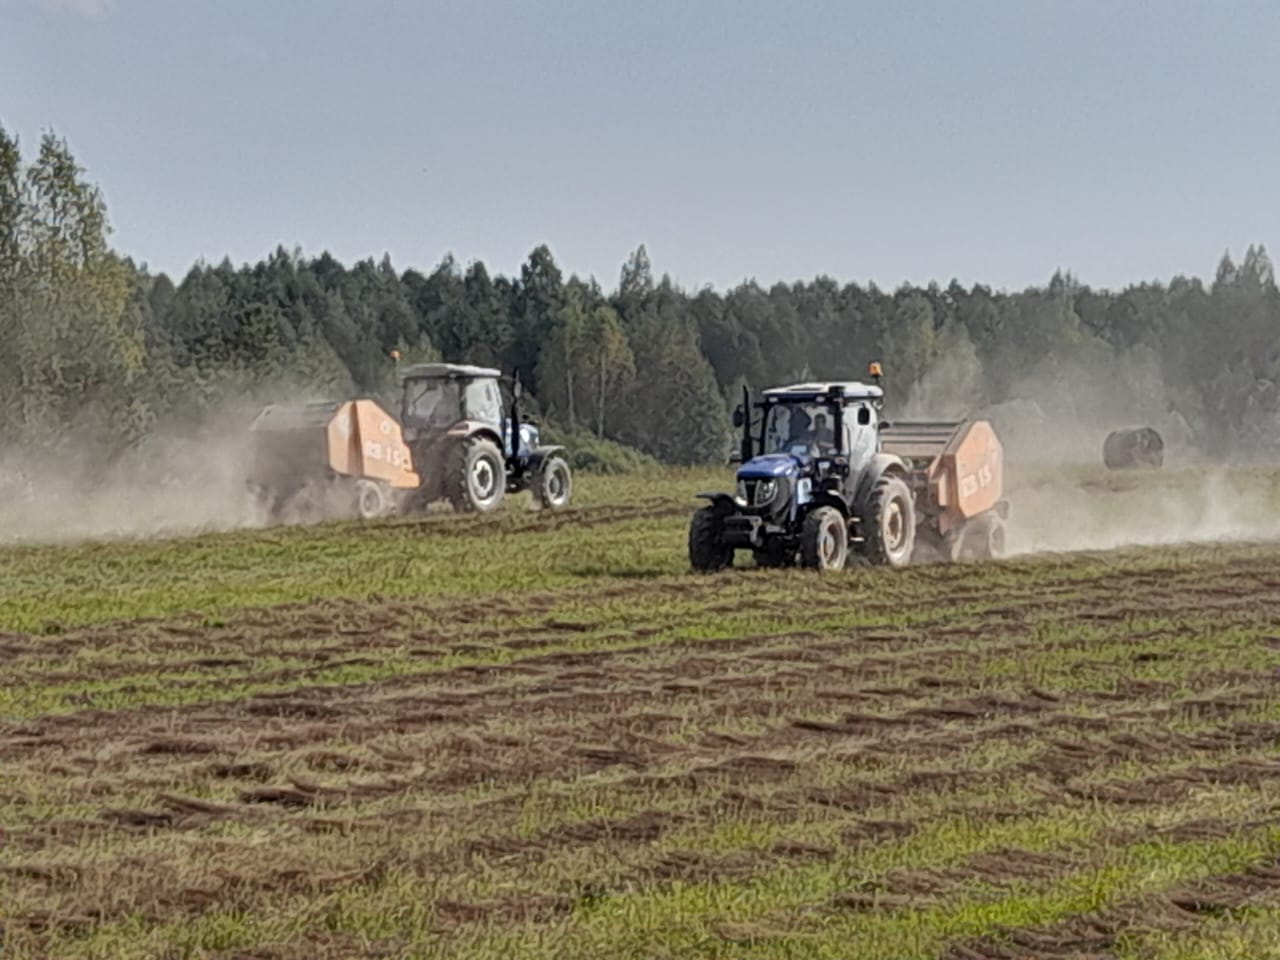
{"points": [[435, 402], [807, 429], [443, 402], [483, 402]]}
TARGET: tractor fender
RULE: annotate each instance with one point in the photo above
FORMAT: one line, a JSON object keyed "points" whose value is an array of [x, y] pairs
{"points": [[538, 455], [474, 430], [722, 501], [880, 465], [826, 498]]}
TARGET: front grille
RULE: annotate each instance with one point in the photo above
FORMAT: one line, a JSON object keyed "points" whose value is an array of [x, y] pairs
{"points": [[760, 493]]}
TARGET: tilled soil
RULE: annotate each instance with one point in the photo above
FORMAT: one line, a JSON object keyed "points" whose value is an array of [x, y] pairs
{"points": [[516, 762]]}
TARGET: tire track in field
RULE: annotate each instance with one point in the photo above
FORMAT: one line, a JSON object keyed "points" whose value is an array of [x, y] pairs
{"points": [[545, 685], [1103, 933], [604, 692], [365, 620], [581, 730], [1030, 613]]}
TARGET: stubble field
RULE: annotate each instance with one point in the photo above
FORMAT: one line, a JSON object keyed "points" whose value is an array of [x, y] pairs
{"points": [[538, 736]]}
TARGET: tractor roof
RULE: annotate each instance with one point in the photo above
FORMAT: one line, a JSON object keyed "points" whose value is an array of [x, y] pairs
{"points": [[441, 371], [853, 390]]}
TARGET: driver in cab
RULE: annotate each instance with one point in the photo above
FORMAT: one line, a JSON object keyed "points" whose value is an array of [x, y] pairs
{"points": [[816, 431]]}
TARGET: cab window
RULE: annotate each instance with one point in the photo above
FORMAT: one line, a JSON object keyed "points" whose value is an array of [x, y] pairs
{"points": [[484, 403]]}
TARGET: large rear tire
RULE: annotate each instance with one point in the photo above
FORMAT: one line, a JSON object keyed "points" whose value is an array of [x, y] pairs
{"points": [[824, 540], [552, 485], [890, 523], [476, 477], [706, 553]]}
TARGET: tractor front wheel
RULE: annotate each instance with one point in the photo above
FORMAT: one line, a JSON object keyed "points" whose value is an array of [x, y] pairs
{"points": [[706, 553], [477, 478], [890, 519], [824, 540], [552, 484]]}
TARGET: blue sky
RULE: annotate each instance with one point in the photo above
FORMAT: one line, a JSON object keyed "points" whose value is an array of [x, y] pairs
{"points": [[987, 140]]}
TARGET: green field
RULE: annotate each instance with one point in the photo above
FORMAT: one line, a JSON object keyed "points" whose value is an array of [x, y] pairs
{"points": [[534, 735]]}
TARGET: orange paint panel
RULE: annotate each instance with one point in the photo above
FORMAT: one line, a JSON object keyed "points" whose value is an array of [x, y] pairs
{"points": [[366, 441], [969, 475], [382, 452]]}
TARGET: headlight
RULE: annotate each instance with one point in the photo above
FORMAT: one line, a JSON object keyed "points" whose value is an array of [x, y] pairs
{"points": [[740, 494], [766, 490]]}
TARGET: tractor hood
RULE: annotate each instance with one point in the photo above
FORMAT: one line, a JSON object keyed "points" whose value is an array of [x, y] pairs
{"points": [[769, 466]]}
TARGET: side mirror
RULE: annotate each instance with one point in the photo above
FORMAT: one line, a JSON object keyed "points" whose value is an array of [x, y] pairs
{"points": [[864, 416], [739, 417]]}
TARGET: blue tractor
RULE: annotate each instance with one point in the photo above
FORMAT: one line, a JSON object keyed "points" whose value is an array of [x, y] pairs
{"points": [[825, 482]]}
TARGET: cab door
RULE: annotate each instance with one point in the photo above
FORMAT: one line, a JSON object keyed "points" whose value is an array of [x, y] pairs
{"points": [[861, 440]]}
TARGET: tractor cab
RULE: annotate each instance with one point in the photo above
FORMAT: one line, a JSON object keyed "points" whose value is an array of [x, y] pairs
{"points": [[816, 421], [810, 436], [439, 397]]}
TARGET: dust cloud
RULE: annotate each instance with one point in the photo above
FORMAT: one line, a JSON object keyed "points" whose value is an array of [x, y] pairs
{"points": [[189, 477], [178, 480], [1061, 497]]}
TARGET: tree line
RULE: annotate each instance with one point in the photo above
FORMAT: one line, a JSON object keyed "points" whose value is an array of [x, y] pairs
{"points": [[95, 349]]}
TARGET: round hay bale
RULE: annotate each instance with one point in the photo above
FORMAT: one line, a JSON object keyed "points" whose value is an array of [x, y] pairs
{"points": [[1132, 448]]}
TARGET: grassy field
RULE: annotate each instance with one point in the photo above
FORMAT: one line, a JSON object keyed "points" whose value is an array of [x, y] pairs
{"points": [[539, 736]]}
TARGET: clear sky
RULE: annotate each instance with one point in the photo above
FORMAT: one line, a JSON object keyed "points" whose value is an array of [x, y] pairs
{"points": [[987, 140]]}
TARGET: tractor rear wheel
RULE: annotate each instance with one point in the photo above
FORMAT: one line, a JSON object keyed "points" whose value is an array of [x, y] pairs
{"points": [[981, 539], [476, 477], [890, 522], [706, 553], [824, 540], [552, 484]]}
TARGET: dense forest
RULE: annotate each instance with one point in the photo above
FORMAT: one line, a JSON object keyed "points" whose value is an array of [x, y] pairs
{"points": [[98, 352]]}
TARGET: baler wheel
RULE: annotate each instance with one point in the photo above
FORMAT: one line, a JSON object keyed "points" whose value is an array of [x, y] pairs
{"points": [[981, 539], [372, 499]]}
